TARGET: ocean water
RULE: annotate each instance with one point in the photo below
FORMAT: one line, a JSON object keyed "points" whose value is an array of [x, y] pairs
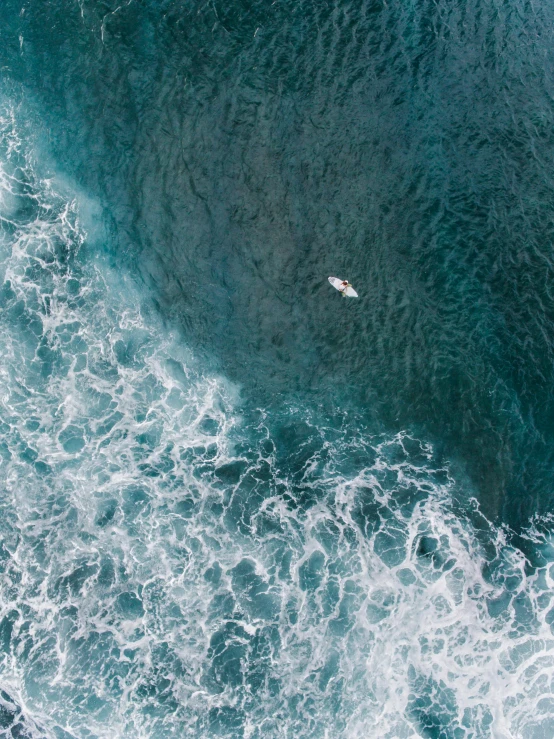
{"points": [[232, 503]]}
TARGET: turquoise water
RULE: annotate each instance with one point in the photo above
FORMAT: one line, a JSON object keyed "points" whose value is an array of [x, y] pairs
{"points": [[234, 504]]}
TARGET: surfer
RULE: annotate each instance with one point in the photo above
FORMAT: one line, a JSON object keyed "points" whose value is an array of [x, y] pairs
{"points": [[344, 287]]}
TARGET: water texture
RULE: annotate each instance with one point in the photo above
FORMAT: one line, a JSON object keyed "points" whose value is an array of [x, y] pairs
{"points": [[234, 504]]}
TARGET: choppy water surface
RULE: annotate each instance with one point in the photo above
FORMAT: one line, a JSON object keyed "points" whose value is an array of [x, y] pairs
{"points": [[234, 504]]}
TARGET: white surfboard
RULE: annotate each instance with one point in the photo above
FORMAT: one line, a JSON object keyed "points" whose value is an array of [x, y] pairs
{"points": [[349, 292]]}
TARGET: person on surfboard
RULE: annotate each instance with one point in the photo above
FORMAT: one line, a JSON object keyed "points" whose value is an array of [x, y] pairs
{"points": [[343, 285]]}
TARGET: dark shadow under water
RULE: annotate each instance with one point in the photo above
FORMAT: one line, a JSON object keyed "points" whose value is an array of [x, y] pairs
{"points": [[244, 152]]}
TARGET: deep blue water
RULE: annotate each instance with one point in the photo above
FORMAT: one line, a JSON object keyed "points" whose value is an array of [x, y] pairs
{"points": [[233, 503]]}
